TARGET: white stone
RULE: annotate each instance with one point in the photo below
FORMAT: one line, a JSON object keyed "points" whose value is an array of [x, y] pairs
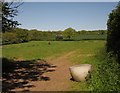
{"points": [[80, 72]]}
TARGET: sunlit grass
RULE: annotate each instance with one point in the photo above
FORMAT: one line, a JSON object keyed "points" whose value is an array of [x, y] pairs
{"points": [[84, 53], [41, 49]]}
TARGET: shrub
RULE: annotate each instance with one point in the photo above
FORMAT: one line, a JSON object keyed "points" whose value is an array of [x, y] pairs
{"points": [[9, 38], [22, 35], [59, 37], [106, 76], [113, 35]]}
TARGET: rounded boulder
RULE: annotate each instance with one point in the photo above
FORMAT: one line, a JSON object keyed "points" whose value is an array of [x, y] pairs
{"points": [[80, 72]]}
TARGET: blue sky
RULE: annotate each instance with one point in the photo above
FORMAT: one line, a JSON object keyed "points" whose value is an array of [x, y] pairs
{"points": [[61, 15]]}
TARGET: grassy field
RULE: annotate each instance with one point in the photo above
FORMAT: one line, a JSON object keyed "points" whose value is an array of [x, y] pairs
{"points": [[41, 49], [85, 51]]}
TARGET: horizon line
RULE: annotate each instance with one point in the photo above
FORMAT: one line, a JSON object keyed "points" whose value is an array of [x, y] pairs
{"points": [[62, 30]]}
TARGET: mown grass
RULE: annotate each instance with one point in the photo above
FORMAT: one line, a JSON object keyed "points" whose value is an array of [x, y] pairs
{"points": [[41, 49], [36, 49], [85, 51]]}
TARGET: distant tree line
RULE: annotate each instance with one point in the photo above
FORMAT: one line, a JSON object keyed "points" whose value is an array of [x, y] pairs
{"points": [[12, 35], [19, 35]]}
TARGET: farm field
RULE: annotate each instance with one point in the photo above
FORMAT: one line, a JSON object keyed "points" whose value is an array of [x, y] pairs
{"points": [[61, 54], [41, 49], [63, 47]]}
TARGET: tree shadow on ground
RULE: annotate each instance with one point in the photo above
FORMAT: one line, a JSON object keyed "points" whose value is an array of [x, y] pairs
{"points": [[18, 74]]}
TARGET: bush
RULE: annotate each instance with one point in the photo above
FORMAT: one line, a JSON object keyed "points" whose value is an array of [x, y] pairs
{"points": [[17, 36], [9, 38], [113, 35], [22, 35], [59, 37], [106, 76]]}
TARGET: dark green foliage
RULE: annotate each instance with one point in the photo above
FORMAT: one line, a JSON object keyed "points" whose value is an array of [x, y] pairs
{"points": [[16, 36], [113, 38], [19, 35], [8, 13], [22, 35], [59, 37], [9, 38], [34, 35], [90, 37], [106, 76], [69, 33], [93, 32]]}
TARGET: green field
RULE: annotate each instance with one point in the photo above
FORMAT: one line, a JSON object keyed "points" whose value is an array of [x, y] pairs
{"points": [[85, 51], [41, 49]]}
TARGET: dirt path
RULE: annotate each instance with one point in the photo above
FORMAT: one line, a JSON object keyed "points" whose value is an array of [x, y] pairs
{"points": [[59, 75], [59, 79]]}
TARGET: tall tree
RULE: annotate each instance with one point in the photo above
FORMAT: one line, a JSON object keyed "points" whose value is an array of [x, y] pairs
{"points": [[9, 11], [113, 35], [69, 32]]}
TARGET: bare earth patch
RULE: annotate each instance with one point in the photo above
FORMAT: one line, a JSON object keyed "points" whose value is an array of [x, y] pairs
{"points": [[59, 76]]}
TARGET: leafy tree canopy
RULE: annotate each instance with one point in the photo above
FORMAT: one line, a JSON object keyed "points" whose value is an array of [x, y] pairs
{"points": [[69, 32], [113, 25], [9, 11]]}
